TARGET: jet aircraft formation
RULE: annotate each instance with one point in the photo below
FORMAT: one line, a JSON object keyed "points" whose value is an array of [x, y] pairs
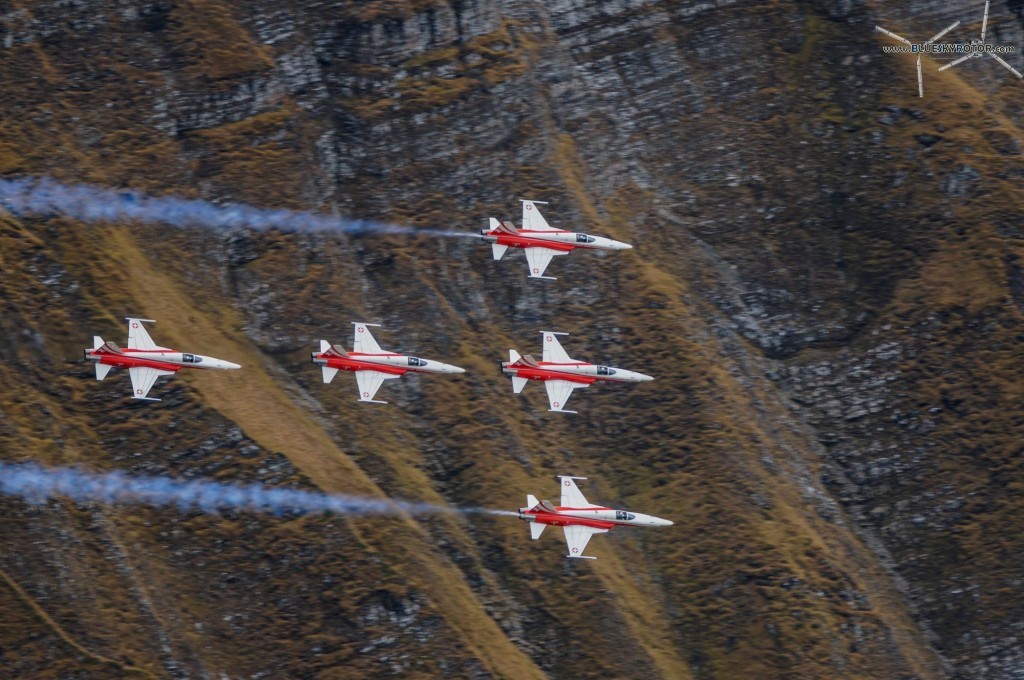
{"points": [[146, 361]]}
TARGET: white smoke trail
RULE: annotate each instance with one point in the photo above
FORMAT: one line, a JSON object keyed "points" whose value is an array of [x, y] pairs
{"points": [[37, 484], [44, 197]]}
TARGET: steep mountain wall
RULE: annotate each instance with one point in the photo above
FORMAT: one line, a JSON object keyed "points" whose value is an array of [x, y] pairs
{"points": [[825, 284]]}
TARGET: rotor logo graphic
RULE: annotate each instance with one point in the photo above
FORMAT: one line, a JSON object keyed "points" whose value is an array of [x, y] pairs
{"points": [[139, 392], [135, 325], [976, 49], [567, 483], [361, 329]]}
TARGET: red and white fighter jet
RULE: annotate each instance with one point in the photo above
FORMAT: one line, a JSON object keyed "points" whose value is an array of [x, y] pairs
{"points": [[144, 359], [561, 375], [578, 518], [540, 240], [371, 364]]}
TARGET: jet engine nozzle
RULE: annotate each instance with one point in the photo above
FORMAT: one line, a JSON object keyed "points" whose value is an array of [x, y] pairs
{"points": [[90, 357], [316, 359]]}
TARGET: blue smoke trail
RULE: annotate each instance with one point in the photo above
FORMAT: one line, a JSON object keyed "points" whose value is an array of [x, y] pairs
{"points": [[45, 197], [36, 484]]}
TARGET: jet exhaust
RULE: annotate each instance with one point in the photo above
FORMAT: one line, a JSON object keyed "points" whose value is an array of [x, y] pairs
{"points": [[37, 484], [42, 196]]}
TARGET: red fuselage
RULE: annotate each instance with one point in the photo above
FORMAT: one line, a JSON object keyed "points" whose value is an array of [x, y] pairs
{"points": [[546, 370], [354, 362], [561, 520], [525, 239], [135, 358]]}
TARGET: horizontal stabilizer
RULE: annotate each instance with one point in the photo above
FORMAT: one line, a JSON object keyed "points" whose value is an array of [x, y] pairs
{"points": [[324, 346], [493, 224], [531, 501], [513, 356], [329, 373], [518, 384], [97, 342], [102, 370], [498, 250], [536, 529]]}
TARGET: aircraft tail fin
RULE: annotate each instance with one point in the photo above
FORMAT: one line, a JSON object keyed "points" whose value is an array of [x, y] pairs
{"points": [[498, 250], [97, 342], [513, 356], [536, 529], [531, 501], [518, 384], [329, 373], [324, 346], [102, 370]]}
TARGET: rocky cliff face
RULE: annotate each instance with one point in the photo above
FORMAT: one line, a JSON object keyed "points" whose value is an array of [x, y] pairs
{"points": [[826, 285]]}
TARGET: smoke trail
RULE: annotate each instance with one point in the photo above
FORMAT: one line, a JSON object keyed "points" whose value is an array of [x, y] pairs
{"points": [[45, 197], [36, 484]]}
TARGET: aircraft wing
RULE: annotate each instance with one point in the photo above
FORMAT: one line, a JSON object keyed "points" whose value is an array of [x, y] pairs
{"points": [[553, 350], [572, 497], [559, 392], [363, 341], [143, 378], [370, 382], [577, 536], [138, 336], [539, 259], [533, 220]]}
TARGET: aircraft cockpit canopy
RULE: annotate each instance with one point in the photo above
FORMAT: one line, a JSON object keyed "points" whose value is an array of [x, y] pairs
{"points": [[415, 361], [191, 359], [605, 370], [584, 238], [622, 514]]}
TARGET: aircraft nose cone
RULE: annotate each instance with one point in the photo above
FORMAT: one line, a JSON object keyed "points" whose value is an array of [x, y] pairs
{"points": [[643, 377], [228, 364], [625, 246], [456, 369]]}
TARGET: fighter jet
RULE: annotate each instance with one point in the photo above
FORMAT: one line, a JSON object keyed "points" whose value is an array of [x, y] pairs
{"points": [[578, 518], [371, 364], [540, 240], [144, 359], [561, 375]]}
